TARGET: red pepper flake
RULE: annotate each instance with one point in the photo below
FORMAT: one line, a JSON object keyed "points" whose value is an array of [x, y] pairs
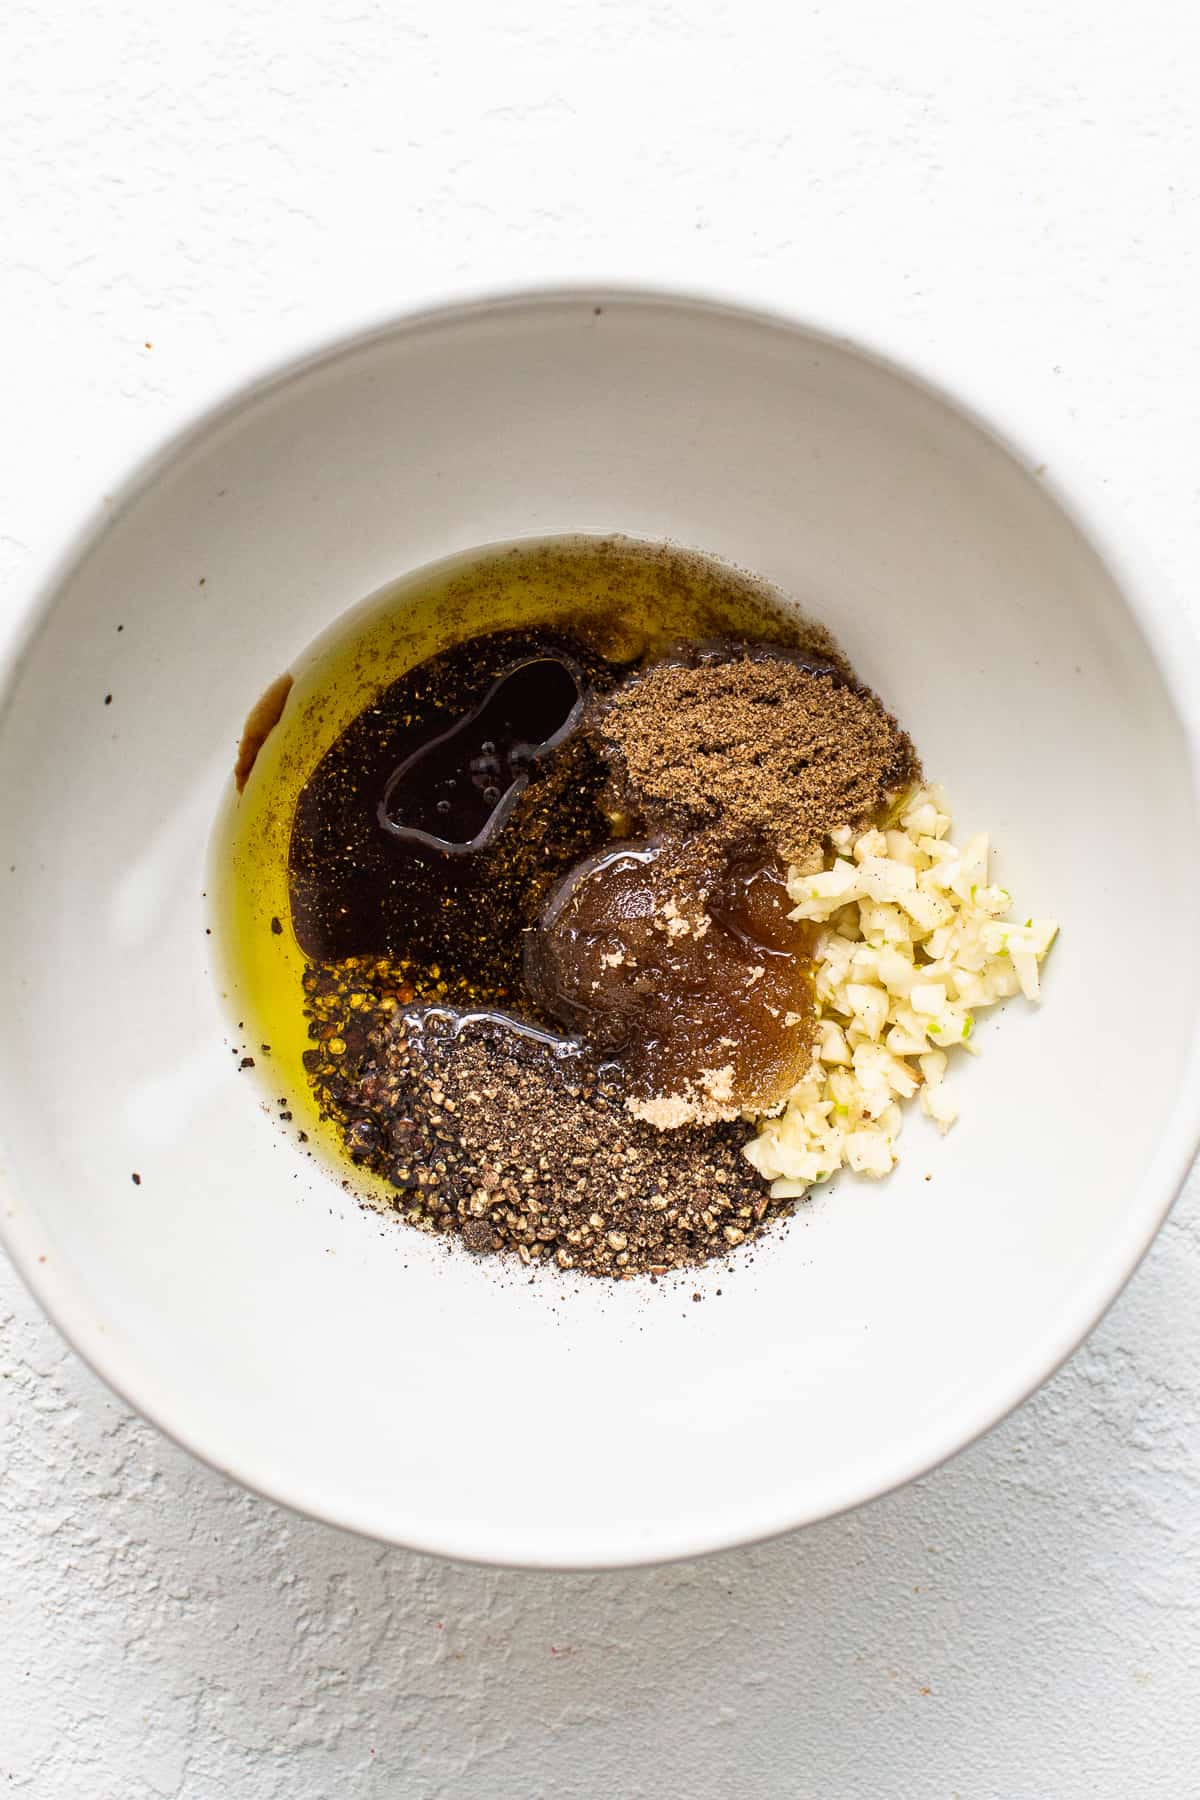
{"points": [[136, 1179], [247, 1062]]}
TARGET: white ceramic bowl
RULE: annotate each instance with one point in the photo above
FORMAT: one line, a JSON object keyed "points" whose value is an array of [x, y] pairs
{"points": [[357, 1371]]}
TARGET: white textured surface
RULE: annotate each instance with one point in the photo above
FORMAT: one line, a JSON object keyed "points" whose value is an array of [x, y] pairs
{"points": [[1010, 190]]}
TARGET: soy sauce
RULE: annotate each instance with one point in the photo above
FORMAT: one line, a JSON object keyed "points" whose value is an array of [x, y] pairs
{"points": [[431, 829]]}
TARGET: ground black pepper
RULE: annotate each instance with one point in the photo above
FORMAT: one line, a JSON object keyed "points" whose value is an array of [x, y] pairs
{"points": [[504, 1141]]}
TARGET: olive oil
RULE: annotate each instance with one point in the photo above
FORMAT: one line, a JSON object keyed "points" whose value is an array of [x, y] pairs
{"points": [[601, 606]]}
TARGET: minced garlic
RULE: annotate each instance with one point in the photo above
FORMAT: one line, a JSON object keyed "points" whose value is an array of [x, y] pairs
{"points": [[915, 941]]}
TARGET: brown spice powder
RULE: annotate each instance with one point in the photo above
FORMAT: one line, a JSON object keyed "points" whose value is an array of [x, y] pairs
{"points": [[760, 749]]}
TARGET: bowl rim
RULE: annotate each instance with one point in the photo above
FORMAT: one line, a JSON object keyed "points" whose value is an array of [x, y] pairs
{"points": [[1175, 651]]}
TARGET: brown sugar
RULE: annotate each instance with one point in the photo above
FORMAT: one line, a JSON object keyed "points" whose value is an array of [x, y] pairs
{"points": [[691, 974], [756, 748]]}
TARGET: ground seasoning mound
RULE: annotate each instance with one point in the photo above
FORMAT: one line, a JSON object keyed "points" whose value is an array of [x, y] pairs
{"points": [[514, 1146], [755, 747]]}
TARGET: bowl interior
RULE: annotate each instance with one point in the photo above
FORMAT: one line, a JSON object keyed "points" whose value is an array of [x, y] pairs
{"points": [[358, 1371]]}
